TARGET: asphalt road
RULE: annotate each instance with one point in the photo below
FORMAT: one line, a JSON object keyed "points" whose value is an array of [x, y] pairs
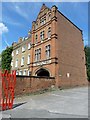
{"points": [[68, 103]]}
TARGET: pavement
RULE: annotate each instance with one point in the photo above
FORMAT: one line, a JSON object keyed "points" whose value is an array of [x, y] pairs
{"points": [[67, 103]]}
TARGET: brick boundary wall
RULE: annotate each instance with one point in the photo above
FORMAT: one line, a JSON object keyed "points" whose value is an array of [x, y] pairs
{"points": [[30, 84]]}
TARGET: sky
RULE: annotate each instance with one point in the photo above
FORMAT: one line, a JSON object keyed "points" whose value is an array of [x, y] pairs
{"points": [[16, 18]]}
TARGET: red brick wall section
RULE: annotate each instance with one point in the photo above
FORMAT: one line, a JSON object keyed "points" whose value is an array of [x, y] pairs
{"points": [[26, 85], [71, 55]]}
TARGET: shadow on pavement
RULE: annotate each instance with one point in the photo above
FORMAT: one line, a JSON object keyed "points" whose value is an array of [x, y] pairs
{"points": [[17, 105]]}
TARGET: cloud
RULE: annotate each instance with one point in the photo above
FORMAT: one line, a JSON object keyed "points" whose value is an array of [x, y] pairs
{"points": [[3, 28], [21, 12], [8, 20], [20, 9]]}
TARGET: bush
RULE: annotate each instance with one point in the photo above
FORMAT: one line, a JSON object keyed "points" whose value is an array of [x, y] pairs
{"points": [[87, 54]]}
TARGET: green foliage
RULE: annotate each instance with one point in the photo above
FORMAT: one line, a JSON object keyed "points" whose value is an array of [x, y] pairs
{"points": [[0, 61], [87, 54], [6, 58]]}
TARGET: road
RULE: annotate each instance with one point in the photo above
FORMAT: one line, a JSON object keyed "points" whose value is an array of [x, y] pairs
{"points": [[67, 103]]}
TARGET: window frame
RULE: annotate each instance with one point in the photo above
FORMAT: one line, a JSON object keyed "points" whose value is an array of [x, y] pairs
{"points": [[24, 72], [21, 71], [29, 46], [22, 61], [48, 51], [42, 35], [28, 59], [12, 54], [49, 33], [38, 54], [23, 48], [36, 38], [16, 63], [17, 52]]}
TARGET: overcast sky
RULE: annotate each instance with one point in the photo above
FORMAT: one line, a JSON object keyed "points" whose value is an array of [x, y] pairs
{"points": [[17, 17]]}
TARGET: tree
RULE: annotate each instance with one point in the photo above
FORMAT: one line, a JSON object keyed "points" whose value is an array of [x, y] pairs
{"points": [[6, 58], [0, 61], [87, 54]]}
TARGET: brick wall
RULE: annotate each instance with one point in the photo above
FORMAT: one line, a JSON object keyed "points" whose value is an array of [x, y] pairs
{"points": [[26, 84], [71, 56]]}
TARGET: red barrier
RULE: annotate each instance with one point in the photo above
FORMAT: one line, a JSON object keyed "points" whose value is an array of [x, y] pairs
{"points": [[7, 83]]}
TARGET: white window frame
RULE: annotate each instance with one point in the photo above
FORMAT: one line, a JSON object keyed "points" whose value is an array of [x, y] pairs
{"points": [[24, 72], [29, 46], [17, 51], [16, 63], [28, 72], [12, 54], [23, 48], [12, 63], [22, 61], [17, 72], [20, 72], [28, 59]]}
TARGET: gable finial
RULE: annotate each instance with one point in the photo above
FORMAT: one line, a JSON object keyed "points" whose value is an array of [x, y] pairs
{"points": [[43, 4]]}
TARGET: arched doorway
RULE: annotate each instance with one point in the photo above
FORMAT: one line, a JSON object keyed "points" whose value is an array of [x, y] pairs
{"points": [[43, 72]]}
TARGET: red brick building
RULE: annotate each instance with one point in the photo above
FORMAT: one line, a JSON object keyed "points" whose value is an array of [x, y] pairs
{"points": [[56, 49]]}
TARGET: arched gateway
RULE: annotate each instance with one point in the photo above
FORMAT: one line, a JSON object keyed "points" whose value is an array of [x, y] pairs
{"points": [[42, 72]]}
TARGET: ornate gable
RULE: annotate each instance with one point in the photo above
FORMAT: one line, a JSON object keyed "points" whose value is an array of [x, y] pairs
{"points": [[44, 9]]}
